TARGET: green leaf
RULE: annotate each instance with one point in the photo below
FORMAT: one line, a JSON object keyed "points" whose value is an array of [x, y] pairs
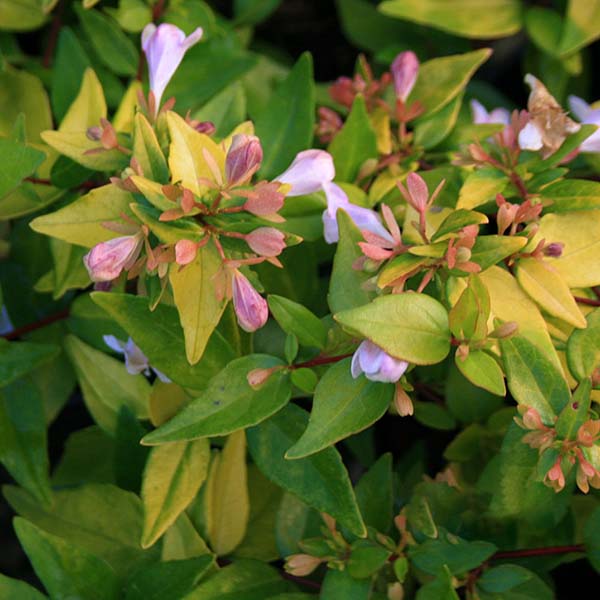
{"points": [[545, 285], [106, 384], [320, 480], [228, 403], [433, 415], [489, 250], [567, 195], [160, 337], [195, 298], [226, 504], [247, 579], [340, 585], [582, 26], [483, 371], [478, 19], [251, 12], [375, 494], [532, 379], [98, 518], [354, 143], [81, 222], [409, 326], [14, 588], [458, 555], [68, 68], [456, 220], [441, 588], [481, 187], [19, 358], [18, 161], [296, 319], [21, 16], [66, 570], [470, 315], [366, 559], [346, 284], [285, 125], [226, 110], [544, 26], [575, 413], [341, 407], [503, 578], [23, 437], [147, 152], [172, 477], [592, 539], [112, 47], [583, 348], [432, 130], [169, 579], [182, 541], [69, 270]]}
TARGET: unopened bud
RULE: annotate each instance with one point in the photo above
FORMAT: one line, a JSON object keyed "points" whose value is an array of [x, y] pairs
{"points": [[463, 254], [368, 168], [265, 199], [505, 330], [301, 565], [106, 260], [395, 591], [405, 70], [266, 241], [555, 249], [185, 252], [94, 133], [205, 127], [257, 377], [250, 307], [243, 159], [402, 402]]}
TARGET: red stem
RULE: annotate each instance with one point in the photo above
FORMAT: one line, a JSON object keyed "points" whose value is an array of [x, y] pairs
{"points": [[21, 331], [538, 551], [315, 585], [320, 360], [588, 301], [86, 185], [53, 37]]}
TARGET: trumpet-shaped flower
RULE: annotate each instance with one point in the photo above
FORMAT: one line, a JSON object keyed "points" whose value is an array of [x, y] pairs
{"points": [[165, 47], [106, 260], [376, 364], [588, 116], [243, 159], [250, 307], [309, 171], [481, 116], [135, 360]]}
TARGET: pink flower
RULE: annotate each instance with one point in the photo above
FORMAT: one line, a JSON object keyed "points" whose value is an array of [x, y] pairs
{"points": [[243, 159], [309, 171], [405, 70], [250, 307], [106, 260], [364, 218], [135, 360], [266, 241], [376, 364], [165, 47]]}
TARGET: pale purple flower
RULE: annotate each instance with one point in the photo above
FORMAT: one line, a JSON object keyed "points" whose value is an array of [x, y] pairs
{"points": [[588, 116], [106, 260], [308, 172], [6, 325], [481, 116], [364, 218], [243, 158], [165, 47], [251, 309], [376, 364], [530, 137], [135, 360], [405, 70]]}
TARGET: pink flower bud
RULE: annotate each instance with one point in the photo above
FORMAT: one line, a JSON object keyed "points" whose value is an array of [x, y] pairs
{"points": [[243, 159], [308, 172], [402, 402], [185, 251], [250, 307], [106, 260], [300, 565], [266, 241], [555, 249], [165, 47], [264, 199], [376, 364], [405, 70]]}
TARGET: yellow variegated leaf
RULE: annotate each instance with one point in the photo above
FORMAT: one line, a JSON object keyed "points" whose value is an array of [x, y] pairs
{"points": [[166, 399], [433, 220], [380, 121], [545, 285], [384, 183], [227, 507], [123, 119], [88, 108], [186, 157], [152, 191], [196, 301], [578, 231]]}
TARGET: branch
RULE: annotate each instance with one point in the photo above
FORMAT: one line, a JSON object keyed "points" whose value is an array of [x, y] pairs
{"points": [[21, 331], [588, 301], [320, 360], [538, 551], [53, 37]]}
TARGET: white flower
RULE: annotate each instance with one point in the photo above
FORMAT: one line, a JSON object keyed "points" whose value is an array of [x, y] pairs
{"points": [[135, 360]]}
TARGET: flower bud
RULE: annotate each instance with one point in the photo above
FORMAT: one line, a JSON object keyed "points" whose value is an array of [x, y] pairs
{"points": [[555, 249], [165, 47], [505, 330], [300, 565], [243, 159], [257, 377], [264, 199], [376, 364], [308, 172], [250, 307], [403, 402], [266, 241], [405, 70], [106, 260]]}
